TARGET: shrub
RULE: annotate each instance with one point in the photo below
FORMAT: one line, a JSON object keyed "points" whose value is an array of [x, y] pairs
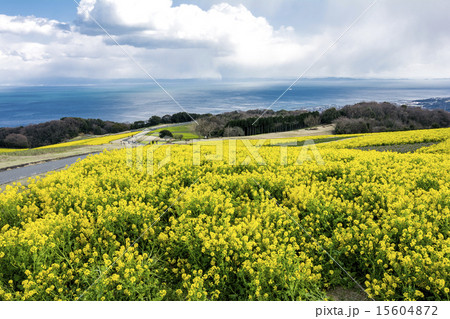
{"points": [[329, 115], [312, 121], [351, 126], [17, 141], [165, 133], [233, 131]]}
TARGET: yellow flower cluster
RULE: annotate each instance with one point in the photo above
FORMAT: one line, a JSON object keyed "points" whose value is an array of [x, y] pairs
{"points": [[92, 141], [394, 138], [232, 228], [442, 148], [9, 150]]}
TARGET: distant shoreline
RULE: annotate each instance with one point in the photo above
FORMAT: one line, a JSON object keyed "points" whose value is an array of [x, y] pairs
{"points": [[119, 102], [364, 117]]}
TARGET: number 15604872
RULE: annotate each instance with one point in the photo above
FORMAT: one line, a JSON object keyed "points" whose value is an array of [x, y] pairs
{"points": [[405, 310]]}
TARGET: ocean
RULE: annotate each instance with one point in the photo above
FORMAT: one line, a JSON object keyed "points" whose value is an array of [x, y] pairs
{"points": [[129, 102]]}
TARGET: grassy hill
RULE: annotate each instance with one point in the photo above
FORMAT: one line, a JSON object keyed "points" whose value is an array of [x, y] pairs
{"points": [[188, 131]]}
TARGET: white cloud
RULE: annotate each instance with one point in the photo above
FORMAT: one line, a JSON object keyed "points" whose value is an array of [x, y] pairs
{"points": [[231, 35], [33, 49], [24, 26], [395, 39]]}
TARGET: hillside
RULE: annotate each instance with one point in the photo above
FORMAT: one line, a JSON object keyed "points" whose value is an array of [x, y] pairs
{"points": [[365, 117], [231, 228]]}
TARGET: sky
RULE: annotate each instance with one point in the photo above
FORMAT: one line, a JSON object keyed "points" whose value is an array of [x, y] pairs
{"points": [[58, 40]]}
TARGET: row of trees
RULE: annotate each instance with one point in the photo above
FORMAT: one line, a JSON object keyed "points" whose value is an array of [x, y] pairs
{"points": [[254, 126], [359, 118], [383, 117], [253, 122], [181, 117], [57, 131]]}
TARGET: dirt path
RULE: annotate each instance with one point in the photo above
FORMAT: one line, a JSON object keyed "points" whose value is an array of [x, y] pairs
{"points": [[7, 161], [321, 130], [20, 173], [17, 167]]}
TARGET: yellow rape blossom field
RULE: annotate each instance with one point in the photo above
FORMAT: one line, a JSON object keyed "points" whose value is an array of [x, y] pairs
{"points": [[395, 138], [9, 150], [92, 141], [246, 222]]}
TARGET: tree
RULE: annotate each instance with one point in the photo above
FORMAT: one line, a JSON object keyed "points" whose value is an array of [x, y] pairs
{"points": [[138, 124], [312, 121], [329, 115], [178, 137], [207, 126], [154, 120], [166, 119], [118, 127], [351, 126], [181, 117], [233, 131], [17, 141], [165, 133]]}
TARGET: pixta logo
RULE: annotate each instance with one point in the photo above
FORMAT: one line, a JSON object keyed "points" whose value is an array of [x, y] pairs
{"points": [[145, 159]]}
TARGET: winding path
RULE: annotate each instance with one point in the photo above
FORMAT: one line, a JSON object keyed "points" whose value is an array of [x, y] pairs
{"points": [[16, 174], [11, 175]]}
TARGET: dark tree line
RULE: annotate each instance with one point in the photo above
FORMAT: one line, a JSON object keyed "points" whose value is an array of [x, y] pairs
{"points": [[57, 131], [240, 123], [272, 124], [181, 117], [383, 117], [363, 117]]}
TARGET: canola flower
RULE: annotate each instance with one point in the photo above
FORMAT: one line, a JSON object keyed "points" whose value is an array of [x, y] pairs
{"points": [[92, 141], [9, 150], [226, 234], [394, 138]]}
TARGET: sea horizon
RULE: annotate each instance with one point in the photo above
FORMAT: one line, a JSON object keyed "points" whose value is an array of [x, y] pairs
{"points": [[133, 100]]}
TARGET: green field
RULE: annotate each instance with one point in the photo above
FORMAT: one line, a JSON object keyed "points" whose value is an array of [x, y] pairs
{"points": [[188, 131]]}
